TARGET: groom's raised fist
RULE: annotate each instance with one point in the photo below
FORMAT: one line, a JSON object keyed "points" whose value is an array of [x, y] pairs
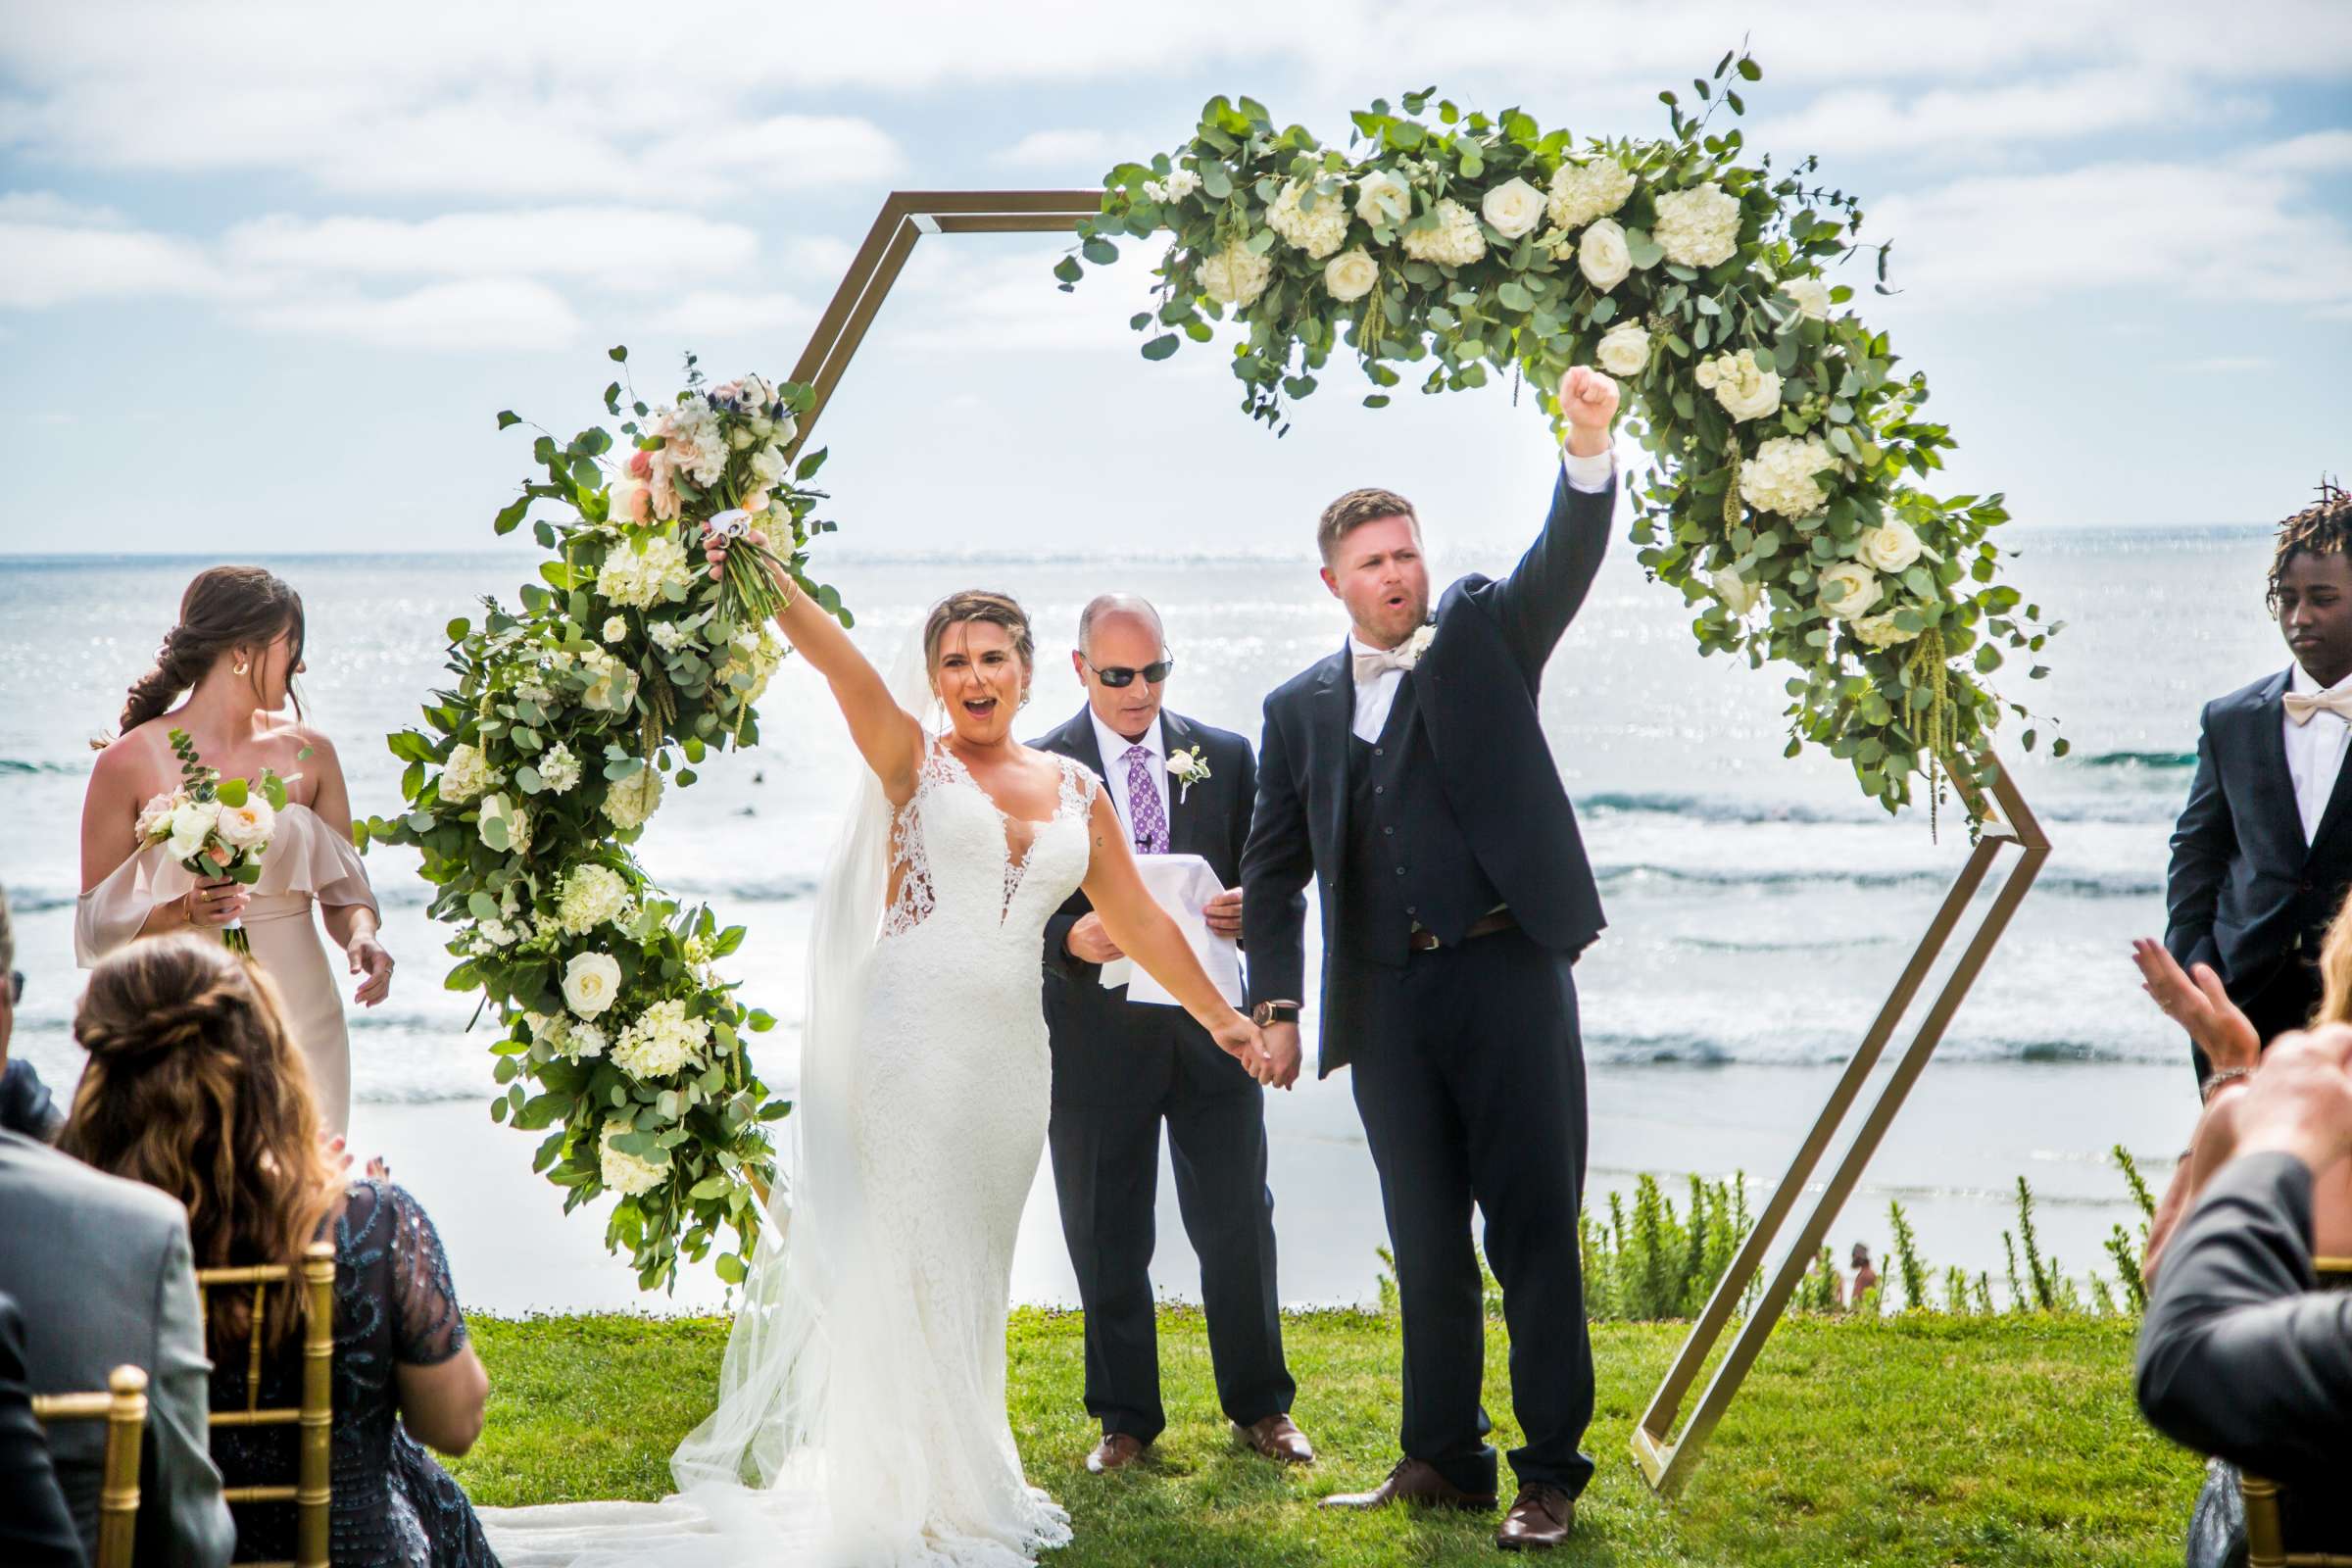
{"points": [[1589, 403]]}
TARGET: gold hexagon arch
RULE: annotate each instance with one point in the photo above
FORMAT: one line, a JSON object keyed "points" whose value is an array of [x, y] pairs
{"points": [[2006, 824]]}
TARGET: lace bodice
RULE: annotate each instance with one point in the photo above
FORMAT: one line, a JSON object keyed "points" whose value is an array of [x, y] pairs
{"points": [[951, 847]]}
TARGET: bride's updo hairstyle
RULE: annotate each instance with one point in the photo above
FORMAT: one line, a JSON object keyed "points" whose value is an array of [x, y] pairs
{"points": [[195, 1088], [225, 608], [980, 605]]}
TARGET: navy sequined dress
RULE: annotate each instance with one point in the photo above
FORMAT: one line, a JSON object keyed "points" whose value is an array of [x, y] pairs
{"points": [[394, 1305]]}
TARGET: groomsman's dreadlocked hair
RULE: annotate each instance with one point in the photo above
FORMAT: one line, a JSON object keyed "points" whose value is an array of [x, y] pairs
{"points": [[2323, 528]]}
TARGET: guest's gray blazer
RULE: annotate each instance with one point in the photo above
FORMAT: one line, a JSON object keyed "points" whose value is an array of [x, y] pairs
{"points": [[102, 1271]]}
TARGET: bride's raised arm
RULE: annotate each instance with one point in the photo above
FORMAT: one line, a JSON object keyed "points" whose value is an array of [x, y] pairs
{"points": [[888, 737], [1139, 928]]}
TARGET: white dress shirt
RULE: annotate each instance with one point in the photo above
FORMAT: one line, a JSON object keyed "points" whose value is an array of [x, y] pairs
{"points": [[2315, 753], [1374, 698], [1115, 748]]}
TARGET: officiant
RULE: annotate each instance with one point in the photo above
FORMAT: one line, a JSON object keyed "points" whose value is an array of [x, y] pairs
{"points": [[1122, 1068]]}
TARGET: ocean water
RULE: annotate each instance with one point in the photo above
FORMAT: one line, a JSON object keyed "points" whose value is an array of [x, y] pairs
{"points": [[1758, 907]]}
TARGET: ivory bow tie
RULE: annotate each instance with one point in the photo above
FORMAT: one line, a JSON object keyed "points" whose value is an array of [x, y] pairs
{"points": [[1370, 666], [2299, 707]]}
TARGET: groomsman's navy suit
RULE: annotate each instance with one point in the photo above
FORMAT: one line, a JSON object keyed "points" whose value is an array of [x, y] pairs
{"points": [[2248, 892], [1468, 1070], [1121, 1069]]}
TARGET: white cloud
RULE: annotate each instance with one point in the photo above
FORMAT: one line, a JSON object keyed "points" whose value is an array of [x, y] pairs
{"points": [[76, 253], [1070, 150], [468, 317], [1968, 122], [619, 247]]}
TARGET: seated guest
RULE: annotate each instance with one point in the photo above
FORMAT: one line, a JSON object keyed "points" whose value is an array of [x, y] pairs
{"points": [[193, 1085], [2241, 1356], [26, 1106], [36, 1528], [102, 1278], [2262, 851]]}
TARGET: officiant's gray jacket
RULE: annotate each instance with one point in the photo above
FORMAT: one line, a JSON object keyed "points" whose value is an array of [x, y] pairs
{"points": [[101, 1269], [1095, 1058]]}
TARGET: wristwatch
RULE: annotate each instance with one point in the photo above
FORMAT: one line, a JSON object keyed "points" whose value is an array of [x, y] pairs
{"points": [[1273, 1012]]}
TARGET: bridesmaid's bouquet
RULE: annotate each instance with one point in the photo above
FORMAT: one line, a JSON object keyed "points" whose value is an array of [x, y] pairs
{"points": [[215, 828]]}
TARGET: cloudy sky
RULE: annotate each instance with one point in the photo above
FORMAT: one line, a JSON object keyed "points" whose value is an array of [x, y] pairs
{"points": [[267, 272]]}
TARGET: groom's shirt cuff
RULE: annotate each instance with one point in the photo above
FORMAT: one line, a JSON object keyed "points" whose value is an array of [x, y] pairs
{"points": [[1593, 474]]}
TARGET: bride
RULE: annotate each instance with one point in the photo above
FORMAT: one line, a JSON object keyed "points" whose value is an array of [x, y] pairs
{"points": [[862, 1395]]}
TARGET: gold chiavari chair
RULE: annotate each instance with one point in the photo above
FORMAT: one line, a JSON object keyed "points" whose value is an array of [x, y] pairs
{"points": [[2266, 1515], [124, 1409], [311, 1490]]}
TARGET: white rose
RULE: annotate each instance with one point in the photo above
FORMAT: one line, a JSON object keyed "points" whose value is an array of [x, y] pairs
{"points": [[1351, 275], [1745, 388], [1604, 256], [631, 801], [1512, 207], [1847, 589], [1582, 192], [1738, 595], [1699, 226], [1235, 276], [1891, 546], [154, 818], [616, 628], [625, 1173], [498, 808], [1623, 349], [1881, 631], [192, 822], [591, 983], [1383, 200], [242, 827], [1812, 296]]}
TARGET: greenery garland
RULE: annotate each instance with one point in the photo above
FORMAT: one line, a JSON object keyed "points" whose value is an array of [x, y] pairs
{"points": [[1781, 502], [536, 771]]}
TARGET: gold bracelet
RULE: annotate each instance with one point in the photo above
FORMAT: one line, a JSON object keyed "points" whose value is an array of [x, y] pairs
{"points": [[792, 592]]}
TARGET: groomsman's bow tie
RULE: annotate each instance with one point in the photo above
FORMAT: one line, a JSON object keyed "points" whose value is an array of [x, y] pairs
{"points": [[1370, 666], [2299, 707]]}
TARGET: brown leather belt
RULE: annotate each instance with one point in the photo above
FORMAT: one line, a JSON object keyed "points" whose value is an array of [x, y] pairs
{"points": [[1421, 941]]}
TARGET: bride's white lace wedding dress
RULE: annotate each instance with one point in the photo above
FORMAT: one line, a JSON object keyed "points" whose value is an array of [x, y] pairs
{"points": [[864, 1395]]}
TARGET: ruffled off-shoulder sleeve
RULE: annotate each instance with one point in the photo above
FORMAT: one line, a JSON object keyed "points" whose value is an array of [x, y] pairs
{"points": [[305, 856]]}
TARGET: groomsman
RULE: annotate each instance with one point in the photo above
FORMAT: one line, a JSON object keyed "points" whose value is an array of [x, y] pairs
{"points": [[2262, 851], [1122, 1068], [1408, 775]]}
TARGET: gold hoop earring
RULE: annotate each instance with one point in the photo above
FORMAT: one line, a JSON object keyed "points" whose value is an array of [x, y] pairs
{"points": [[240, 670]]}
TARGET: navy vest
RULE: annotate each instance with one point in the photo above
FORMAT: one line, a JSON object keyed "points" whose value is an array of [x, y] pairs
{"points": [[1409, 862]]}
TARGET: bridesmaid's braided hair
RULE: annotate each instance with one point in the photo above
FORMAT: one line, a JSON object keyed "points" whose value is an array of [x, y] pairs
{"points": [[225, 608], [195, 1088]]}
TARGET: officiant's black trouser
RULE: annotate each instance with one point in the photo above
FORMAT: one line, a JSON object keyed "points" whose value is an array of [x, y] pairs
{"points": [[1106, 1176], [1474, 1093]]}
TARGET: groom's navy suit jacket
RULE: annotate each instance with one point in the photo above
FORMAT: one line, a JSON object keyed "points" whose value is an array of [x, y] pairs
{"points": [[2246, 893], [1475, 691], [1095, 1061]]}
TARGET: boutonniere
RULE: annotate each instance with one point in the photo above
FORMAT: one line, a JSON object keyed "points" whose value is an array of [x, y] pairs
{"points": [[1188, 767], [1416, 645]]}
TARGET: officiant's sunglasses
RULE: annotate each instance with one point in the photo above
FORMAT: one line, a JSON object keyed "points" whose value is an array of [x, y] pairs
{"points": [[1121, 676]]}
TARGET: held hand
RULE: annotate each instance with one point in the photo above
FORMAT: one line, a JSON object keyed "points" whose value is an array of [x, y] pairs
{"points": [[715, 549], [368, 957], [2198, 1005], [1240, 1039], [1089, 943], [2300, 1102], [1589, 403], [1224, 912], [1282, 1051], [213, 904]]}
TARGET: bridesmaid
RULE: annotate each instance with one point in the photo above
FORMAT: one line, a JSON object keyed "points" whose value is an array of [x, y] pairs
{"points": [[236, 654]]}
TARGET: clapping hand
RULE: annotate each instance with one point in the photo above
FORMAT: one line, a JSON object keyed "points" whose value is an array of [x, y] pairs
{"points": [[2301, 1102], [2197, 1003]]}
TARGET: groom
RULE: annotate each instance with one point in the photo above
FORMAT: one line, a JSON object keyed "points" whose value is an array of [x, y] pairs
{"points": [[1407, 774], [1121, 1069]]}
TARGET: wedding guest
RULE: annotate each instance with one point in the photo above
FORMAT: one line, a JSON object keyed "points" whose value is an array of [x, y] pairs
{"points": [[2263, 851], [234, 653], [36, 1528], [1122, 1068], [103, 1277], [2241, 1356], [26, 1105], [193, 1085], [1866, 1278]]}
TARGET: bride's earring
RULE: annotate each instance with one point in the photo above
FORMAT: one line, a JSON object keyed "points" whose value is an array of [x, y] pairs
{"points": [[241, 667]]}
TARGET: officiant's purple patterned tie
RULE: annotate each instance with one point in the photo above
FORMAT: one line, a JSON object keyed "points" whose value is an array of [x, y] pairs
{"points": [[1143, 804]]}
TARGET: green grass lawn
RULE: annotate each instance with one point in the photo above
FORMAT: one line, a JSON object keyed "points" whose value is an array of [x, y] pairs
{"points": [[1926, 1440]]}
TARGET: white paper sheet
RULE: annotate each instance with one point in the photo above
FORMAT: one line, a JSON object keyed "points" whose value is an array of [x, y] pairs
{"points": [[1182, 885]]}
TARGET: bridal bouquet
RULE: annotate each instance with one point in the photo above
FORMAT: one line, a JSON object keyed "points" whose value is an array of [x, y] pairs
{"points": [[215, 828]]}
